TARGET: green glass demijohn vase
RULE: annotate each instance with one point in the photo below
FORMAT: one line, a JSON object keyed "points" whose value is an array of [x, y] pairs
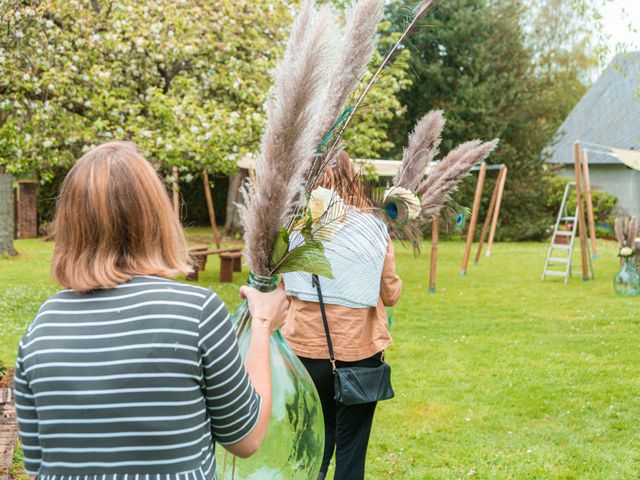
{"points": [[627, 281], [294, 445]]}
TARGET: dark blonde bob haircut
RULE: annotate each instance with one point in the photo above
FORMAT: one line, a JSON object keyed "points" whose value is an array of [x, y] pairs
{"points": [[113, 221]]}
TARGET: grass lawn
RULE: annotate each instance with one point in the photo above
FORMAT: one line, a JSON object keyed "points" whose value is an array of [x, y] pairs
{"points": [[497, 376]]}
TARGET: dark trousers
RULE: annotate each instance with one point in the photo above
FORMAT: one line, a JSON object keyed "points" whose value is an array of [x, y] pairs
{"points": [[346, 427]]}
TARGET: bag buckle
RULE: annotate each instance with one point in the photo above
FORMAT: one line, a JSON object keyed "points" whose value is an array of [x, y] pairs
{"points": [[334, 369]]}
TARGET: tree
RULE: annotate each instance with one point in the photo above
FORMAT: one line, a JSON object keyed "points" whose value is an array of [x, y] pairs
{"points": [[476, 60], [565, 56], [186, 80], [6, 215], [368, 135], [589, 11]]}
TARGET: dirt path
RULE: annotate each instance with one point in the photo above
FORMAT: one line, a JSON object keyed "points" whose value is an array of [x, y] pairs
{"points": [[8, 425]]}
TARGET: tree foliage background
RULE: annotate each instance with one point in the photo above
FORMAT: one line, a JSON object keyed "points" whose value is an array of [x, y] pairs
{"points": [[187, 80], [511, 69]]}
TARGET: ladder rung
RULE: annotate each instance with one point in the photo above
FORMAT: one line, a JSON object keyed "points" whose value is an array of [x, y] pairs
{"points": [[568, 219], [555, 274], [559, 260], [564, 232], [561, 246]]}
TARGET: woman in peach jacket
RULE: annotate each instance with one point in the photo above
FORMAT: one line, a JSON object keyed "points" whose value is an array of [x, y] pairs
{"points": [[365, 281]]}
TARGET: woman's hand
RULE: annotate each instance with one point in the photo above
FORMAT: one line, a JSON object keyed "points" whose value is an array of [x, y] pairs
{"points": [[270, 309]]}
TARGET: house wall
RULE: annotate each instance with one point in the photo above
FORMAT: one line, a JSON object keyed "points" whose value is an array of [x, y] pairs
{"points": [[617, 179]]}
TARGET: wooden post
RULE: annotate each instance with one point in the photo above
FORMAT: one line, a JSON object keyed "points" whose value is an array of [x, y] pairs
{"points": [[212, 212], [581, 223], [27, 209], [176, 194], [588, 199], [502, 180], [487, 220], [474, 217], [435, 237]]}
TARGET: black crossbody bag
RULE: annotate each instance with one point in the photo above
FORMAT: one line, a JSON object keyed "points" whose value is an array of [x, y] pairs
{"points": [[356, 385]]}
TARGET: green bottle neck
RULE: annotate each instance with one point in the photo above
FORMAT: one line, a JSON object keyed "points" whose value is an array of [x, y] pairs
{"points": [[262, 283]]}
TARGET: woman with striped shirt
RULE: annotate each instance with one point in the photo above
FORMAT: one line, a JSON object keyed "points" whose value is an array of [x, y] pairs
{"points": [[125, 374]]}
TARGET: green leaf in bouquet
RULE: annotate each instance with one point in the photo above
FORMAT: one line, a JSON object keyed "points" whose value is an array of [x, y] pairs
{"points": [[281, 247], [308, 257], [307, 226]]}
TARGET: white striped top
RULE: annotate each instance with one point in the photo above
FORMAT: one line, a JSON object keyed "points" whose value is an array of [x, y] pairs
{"points": [[131, 383]]}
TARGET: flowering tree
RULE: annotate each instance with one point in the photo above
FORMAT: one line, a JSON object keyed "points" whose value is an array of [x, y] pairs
{"points": [[184, 79]]}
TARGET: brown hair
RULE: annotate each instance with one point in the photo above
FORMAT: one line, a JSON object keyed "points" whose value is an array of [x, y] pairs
{"points": [[114, 220], [343, 179]]}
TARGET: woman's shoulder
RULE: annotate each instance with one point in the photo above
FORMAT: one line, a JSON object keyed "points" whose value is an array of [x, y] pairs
{"points": [[139, 291], [140, 297], [138, 285]]}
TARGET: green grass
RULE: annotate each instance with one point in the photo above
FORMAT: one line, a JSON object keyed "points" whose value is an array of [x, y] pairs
{"points": [[497, 376]]}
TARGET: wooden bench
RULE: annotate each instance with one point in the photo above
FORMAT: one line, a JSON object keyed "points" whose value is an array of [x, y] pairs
{"points": [[230, 261]]}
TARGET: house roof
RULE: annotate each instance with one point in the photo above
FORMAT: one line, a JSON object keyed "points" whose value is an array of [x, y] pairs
{"points": [[608, 115]]}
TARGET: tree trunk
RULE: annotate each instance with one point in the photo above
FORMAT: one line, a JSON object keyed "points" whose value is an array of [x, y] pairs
{"points": [[232, 222], [6, 215]]}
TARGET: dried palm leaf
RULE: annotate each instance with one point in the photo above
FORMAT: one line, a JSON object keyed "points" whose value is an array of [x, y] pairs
{"points": [[337, 137], [443, 181], [631, 231], [619, 228], [357, 50], [288, 144], [423, 147]]}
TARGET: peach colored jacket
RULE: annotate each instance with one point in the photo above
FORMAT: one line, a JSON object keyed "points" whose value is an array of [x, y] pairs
{"points": [[356, 333]]}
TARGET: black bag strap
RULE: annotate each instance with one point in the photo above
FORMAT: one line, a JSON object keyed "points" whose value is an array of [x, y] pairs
{"points": [[316, 283]]}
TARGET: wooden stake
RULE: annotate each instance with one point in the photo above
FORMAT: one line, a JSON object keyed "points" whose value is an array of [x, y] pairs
{"points": [[581, 223], [474, 217], [435, 237], [588, 199], [487, 220], [176, 194], [212, 212], [502, 180]]}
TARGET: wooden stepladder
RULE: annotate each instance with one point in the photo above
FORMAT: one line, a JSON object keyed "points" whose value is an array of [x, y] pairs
{"points": [[564, 232], [560, 253]]}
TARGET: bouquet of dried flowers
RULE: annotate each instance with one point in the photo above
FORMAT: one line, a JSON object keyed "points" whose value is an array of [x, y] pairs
{"points": [[414, 199], [307, 118], [626, 230]]}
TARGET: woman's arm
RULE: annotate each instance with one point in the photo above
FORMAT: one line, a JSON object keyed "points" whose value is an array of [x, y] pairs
{"points": [[27, 416], [237, 394], [268, 311], [390, 282]]}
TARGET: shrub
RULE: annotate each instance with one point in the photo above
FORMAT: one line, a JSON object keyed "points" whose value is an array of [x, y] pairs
{"points": [[603, 203]]}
